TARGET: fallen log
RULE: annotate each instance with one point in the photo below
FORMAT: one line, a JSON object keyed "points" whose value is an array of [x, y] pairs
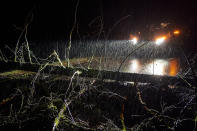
{"points": [[100, 74]]}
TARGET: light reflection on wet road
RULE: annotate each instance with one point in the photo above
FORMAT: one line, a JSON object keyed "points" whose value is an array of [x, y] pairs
{"points": [[170, 66], [153, 67]]}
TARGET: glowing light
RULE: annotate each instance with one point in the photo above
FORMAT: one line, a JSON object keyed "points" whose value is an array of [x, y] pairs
{"points": [[134, 66], [176, 32], [160, 40], [168, 67], [158, 67], [134, 40], [173, 67]]}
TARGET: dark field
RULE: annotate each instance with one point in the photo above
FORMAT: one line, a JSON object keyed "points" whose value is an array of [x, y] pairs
{"points": [[51, 96]]}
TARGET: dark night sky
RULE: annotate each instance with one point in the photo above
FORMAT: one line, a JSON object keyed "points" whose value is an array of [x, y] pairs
{"points": [[53, 20]]}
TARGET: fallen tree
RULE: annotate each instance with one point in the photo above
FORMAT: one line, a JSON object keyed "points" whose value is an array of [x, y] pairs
{"points": [[100, 74]]}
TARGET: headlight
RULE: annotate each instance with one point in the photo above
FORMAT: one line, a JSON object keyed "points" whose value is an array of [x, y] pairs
{"points": [[134, 40], [160, 40], [176, 32]]}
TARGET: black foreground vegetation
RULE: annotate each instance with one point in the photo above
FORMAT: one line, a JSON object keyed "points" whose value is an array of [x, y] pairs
{"points": [[43, 100], [49, 94]]}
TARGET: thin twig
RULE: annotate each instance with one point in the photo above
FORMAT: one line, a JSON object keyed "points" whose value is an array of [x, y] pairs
{"points": [[27, 44], [70, 36], [130, 54]]}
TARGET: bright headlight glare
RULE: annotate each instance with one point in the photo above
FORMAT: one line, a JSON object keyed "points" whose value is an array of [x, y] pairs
{"points": [[134, 40], [160, 40], [176, 32]]}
